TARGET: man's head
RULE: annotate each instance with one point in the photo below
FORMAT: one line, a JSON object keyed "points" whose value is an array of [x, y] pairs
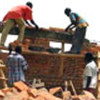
{"points": [[29, 4], [18, 49], [67, 11], [89, 57]]}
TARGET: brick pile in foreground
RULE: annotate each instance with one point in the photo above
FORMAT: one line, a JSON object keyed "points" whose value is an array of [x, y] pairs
{"points": [[20, 91]]}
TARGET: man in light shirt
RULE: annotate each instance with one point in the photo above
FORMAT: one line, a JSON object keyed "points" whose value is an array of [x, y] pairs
{"points": [[90, 74]]}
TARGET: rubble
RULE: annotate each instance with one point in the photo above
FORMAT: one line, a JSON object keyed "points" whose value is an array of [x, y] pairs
{"points": [[21, 91]]}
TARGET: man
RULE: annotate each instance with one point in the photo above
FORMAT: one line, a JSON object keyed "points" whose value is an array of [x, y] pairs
{"points": [[90, 74], [18, 16], [17, 65], [80, 26]]}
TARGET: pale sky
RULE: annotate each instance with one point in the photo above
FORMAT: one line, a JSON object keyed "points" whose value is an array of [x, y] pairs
{"points": [[50, 13]]}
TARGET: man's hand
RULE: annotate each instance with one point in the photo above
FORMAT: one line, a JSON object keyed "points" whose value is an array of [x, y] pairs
{"points": [[36, 26], [66, 29]]}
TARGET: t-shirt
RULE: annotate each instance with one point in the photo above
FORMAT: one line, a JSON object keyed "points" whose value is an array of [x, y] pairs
{"points": [[90, 70], [22, 11], [80, 22]]}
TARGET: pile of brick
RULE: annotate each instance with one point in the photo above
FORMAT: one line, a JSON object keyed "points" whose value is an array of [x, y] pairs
{"points": [[20, 91], [38, 42], [94, 48], [25, 45]]}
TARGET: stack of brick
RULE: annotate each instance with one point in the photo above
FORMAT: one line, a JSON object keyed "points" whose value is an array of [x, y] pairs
{"points": [[39, 42], [93, 48], [25, 45], [42, 42], [20, 91]]}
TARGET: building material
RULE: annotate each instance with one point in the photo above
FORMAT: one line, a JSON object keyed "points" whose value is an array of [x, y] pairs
{"points": [[2, 77]]}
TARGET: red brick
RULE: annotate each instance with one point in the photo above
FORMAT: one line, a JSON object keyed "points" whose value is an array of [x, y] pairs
{"points": [[5, 90], [67, 95], [54, 90], [21, 86], [33, 92], [1, 94], [48, 96], [90, 95]]}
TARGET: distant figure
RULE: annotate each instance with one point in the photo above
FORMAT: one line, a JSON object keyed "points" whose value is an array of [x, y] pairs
{"points": [[80, 26], [18, 15], [90, 74], [17, 65]]}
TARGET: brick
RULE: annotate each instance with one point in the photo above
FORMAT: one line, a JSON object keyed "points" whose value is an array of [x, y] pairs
{"points": [[14, 91], [75, 97], [23, 95], [42, 90], [90, 95], [67, 95], [32, 92], [5, 90], [1, 94], [48, 96], [9, 96], [21, 86], [19, 96], [31, 98], [55, 90], [40, 98]]}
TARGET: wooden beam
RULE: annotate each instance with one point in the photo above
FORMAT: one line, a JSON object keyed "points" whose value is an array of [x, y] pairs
{"points": [[29, 52], [98, 85], [61, 69], [63, 47], [42, 33]]}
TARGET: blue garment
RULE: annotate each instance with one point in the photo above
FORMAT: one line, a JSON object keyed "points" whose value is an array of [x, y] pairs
{"points": [[16, 65], [74, 17]]}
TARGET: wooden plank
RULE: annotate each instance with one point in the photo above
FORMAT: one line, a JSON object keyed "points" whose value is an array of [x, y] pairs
{"points": [[29, 52], [61, 69], [2, 66], [73, 88], [98, 84], [63, 47], [43, 33], [3, 78]]}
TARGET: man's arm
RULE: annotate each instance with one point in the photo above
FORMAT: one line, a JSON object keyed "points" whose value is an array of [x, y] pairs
{"points": [[88, 81], [28, 23], [32, 21], [68, 27]]}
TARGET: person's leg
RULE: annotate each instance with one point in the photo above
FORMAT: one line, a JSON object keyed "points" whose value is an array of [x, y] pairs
{"points": [[21, 25], [8, 26], [77, 40], [81, 39]]}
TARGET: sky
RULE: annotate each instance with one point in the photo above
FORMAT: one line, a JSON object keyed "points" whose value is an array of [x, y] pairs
{"points": [[50, 13]]}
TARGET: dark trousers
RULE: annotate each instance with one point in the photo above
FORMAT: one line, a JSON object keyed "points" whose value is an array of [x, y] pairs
{"points": [[77, 40]]}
